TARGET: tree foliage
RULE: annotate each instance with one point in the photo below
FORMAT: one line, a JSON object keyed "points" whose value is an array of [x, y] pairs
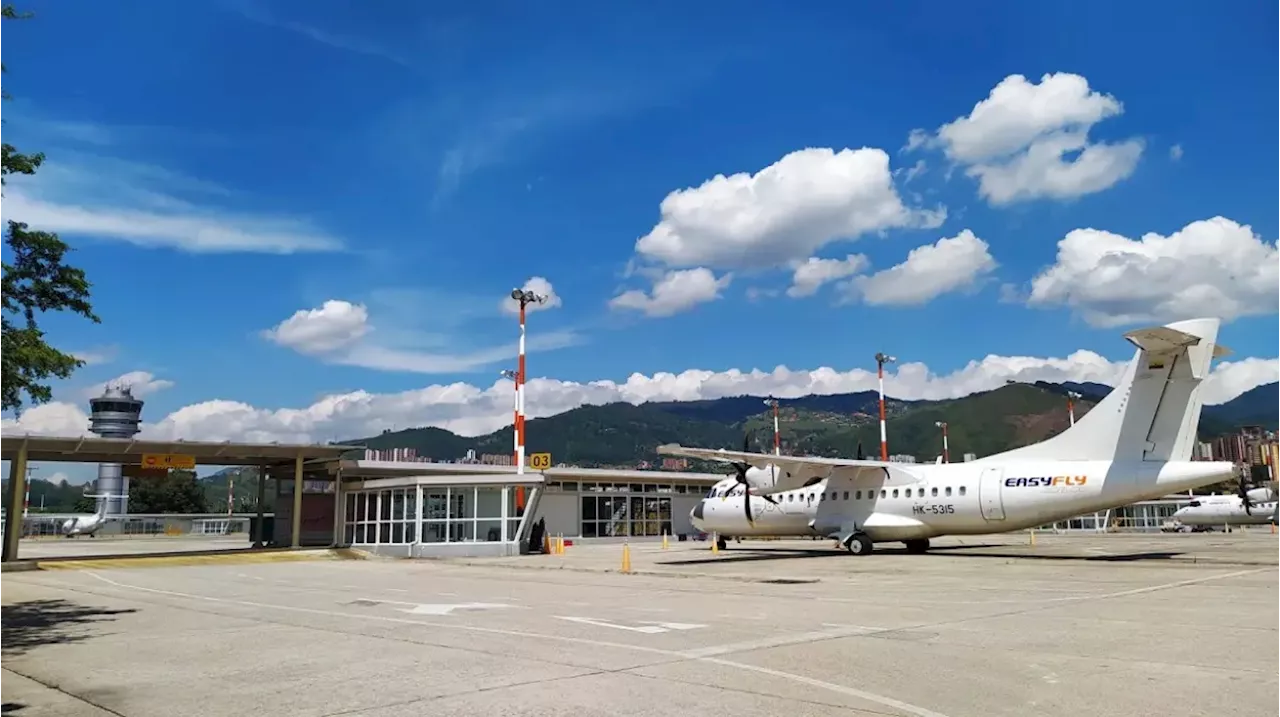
{"points": [[36, 280]]}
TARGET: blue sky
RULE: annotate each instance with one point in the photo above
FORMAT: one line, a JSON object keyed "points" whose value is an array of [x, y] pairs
{"points": [[219, 166]]}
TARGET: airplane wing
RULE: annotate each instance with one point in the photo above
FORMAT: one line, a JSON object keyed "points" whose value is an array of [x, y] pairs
{"points": [[793, 471]]}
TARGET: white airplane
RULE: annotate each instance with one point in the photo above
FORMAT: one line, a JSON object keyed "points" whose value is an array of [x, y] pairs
{"points": [[1255, 507], [87, 524], [1134, 445]]}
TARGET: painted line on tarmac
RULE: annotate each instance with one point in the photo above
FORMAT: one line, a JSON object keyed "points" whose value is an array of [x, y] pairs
{"points": [[802, 679]]}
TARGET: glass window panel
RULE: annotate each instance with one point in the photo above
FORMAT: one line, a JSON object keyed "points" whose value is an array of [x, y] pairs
{"points": [[588, 507], [462, 503], [397, 504], [570, 485], [591, 487], [384, 532], [589, 528], [512, 527], [411, 503], [351, 507], [384, 505], [349, 533], [489, 531], [397, 533], [362, 533], [434, 531], [435, 504], [489, 502], [462, 531]]}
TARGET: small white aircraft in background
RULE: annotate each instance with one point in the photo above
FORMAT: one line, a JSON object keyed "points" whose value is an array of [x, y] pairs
{"points": [[1249, 507], [88, 524], [1134, 445]]}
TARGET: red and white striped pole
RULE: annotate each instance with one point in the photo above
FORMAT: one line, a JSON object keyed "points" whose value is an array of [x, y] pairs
{"points": [[524, 297], [946, 450], [1071, 406], [777, 436], [881, 360]]}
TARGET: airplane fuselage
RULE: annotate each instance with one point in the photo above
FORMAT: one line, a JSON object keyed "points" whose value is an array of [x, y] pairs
{"points": [[921, 501], [82, 525], [1225, 510]]}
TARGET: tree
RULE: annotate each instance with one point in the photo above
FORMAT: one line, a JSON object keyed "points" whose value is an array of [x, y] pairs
{"points": [[36, 281], [177, 492]]}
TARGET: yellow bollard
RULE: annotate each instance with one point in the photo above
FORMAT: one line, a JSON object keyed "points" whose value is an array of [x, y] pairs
{"points": [[560, 546], [715, 543], [1032, 533], [626, 558], [664, 541]]}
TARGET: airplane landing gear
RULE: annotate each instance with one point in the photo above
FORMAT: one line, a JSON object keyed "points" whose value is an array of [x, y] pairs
{"points": [[721, 543], [859, 544], [918, 546]]}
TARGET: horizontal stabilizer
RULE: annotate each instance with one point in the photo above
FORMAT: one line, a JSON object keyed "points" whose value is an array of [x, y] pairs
{"points": [[1161, 339], [1219, 351]]}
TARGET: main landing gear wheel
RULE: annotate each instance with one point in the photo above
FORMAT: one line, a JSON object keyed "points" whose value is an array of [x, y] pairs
{"points": [[721, 543], [859, 544], [917, 546]]}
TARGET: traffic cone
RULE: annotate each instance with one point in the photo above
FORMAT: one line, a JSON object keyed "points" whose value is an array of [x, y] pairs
{"points": [[715, 543], [1032, 533], [664, 541], [626, 558], [546, 544]]}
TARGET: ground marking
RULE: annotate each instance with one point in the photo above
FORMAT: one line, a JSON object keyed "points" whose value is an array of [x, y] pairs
{"points": [[646, 626], [802, 679]]}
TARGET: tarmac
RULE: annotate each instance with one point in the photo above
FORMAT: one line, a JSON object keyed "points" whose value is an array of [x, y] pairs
{"points": [[1103, 624], [81, 546]]}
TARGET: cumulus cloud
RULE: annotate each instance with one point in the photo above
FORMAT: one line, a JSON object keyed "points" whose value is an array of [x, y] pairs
{"points": [[947, 265], [475, 410], [810, 275], [674, 292], [1213, 267], [539, 286], [785, 212], [140, 383], [1019, 142], [340, 332]]}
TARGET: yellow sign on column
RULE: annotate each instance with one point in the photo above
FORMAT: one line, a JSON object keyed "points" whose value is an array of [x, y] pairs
{"points": [[540, 461], [168, 461]]}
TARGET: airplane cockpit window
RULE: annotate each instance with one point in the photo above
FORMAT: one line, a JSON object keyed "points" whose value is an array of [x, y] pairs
{"points": [[1194, 504]]}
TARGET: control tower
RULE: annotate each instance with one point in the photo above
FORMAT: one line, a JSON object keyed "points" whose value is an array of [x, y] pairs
{"points": [[114, 414]]}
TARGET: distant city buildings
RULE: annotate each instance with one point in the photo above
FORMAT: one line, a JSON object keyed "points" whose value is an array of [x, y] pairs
{"points": [[902, 458], [970, 457], [401, 455]]}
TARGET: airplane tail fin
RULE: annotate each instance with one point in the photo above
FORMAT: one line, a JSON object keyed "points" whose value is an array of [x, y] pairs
{"points": [[1153, 414]]}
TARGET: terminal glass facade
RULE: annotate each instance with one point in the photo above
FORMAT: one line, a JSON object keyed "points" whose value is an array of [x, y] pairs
{"points": [[607, 510], [431, 514]]}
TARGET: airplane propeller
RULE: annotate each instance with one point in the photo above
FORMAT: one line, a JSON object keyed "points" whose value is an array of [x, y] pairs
{"points": [[1244, 495], [740, 469], [860, 455]]}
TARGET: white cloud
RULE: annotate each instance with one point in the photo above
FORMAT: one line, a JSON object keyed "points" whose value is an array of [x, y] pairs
{"points": [[785, 212], [335, 325], [1017, 140], [473, 410], [539, 286], [140, 383], [138, 204], [96, 356], [813, 273], [674, 292], [1175, 152], [1213, 267], [948, 265], [340, 332]]}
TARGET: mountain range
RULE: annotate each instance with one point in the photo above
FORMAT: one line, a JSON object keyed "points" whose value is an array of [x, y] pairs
{"points": [[624, 434]]}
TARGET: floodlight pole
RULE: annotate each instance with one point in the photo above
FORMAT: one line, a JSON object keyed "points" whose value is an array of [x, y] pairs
{"points": [[777, 436], [1072, 396], [524, 297], [515, 404], [946, 449], [881, 360]]}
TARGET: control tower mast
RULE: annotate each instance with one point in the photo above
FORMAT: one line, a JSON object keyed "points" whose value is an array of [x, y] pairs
{"points": [[114, 414]]}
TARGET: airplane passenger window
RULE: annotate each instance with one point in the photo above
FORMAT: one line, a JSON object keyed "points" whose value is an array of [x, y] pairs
{"points": [[961, 490], [908, 492], [858, 495], [934, 492], [846, 495], [884, 493], [791, 497], [948, 491], [895, 492]]}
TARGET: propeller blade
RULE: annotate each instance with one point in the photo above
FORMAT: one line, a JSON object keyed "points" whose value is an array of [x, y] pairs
{"points": [[1244, 496], [746, 504], [860, 454]]}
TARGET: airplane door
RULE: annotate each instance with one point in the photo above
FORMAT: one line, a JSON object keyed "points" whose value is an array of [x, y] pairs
{"points": [[989, 498]]}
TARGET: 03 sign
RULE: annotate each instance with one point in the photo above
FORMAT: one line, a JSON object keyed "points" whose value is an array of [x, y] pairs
{"points": [[540, 461]]}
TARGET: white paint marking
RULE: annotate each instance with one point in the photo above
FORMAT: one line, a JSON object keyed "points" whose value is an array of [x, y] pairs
{"points": [[397, 590], [425, 609], [674, 625], [802, 679], [647, 629]]}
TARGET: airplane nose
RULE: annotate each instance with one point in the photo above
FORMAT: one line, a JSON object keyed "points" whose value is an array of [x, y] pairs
{"points": [[696, 514]]}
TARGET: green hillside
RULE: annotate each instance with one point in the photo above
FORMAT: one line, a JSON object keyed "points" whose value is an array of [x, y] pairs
{"points": [[621, 434]]}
